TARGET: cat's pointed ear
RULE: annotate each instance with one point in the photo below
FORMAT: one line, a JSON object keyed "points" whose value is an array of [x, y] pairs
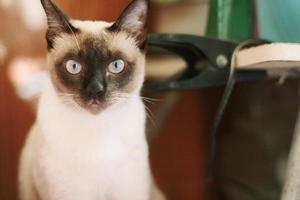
{"points": [[58, 22], [133, 20]]}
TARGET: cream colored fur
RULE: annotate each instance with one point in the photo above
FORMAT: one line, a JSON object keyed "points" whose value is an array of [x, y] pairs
{"points": [[71, 154]]}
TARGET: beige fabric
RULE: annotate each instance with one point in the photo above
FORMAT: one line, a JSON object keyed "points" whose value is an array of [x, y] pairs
{"points": [[269, 56]]}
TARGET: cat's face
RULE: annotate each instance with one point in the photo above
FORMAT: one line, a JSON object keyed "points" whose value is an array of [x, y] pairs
{"points": [[96, 64]]}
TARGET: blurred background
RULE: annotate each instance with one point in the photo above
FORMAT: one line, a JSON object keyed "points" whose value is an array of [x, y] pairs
{"points": [[257, 128]]}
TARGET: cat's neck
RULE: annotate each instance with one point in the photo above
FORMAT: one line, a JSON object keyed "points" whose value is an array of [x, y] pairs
{"points": [[57, 119]]}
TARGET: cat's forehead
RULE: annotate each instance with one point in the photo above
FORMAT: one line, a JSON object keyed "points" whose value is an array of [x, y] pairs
{"points": [[90, 26], [95, 34]]}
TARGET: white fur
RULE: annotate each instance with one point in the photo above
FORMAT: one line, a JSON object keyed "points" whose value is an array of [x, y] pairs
{"points": [[91, 157], [91, 26]]}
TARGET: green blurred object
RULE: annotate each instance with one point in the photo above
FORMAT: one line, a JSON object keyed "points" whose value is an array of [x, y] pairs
{"points": [[230, 19]]}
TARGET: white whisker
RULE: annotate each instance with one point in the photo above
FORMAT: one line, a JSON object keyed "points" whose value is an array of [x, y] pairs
{"points": [[150, 115]]}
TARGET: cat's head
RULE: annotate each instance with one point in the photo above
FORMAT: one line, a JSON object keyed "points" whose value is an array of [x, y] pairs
{"points": [[96, 64]]}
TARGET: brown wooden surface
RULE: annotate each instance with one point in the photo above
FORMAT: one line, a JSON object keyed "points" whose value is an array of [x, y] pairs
{"points": [[16, 118], [178, 156]]}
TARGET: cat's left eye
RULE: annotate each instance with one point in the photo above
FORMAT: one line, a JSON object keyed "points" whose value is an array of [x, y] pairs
{"points": [[116, 66], [73, 67]]}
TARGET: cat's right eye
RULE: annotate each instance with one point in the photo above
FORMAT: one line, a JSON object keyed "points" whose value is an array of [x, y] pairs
{"points": [[73, 67]]}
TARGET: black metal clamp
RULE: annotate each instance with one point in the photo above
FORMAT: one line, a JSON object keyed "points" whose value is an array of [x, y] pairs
{"points": [[217, 54]]}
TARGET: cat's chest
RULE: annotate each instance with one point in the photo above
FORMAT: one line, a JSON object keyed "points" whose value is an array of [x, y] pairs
{"points": [[93, 159], [96, 161], [95, 169]]}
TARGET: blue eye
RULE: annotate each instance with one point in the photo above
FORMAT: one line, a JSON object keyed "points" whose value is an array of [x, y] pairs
{"points": [[116, 66], [73, 67]]}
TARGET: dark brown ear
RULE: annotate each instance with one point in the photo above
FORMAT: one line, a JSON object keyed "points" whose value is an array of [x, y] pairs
{"points": [[133, 20], [58, 22]]}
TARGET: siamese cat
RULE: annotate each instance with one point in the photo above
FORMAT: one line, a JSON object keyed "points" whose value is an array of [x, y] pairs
{"points": [[88, 142]]}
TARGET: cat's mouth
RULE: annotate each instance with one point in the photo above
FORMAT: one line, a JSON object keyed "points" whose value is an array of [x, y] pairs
{"points": [[92, 105], [94, 102]]}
